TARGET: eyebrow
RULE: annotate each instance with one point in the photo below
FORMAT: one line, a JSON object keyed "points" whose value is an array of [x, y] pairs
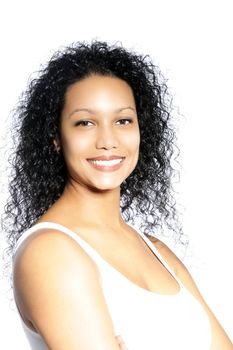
{"points": [[91, 111]]}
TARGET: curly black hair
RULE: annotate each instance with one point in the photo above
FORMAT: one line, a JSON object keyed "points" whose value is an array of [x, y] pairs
{"points": [[39, 173]]}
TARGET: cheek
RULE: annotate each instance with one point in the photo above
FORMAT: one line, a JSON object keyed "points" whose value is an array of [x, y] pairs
{"points": [[75, 146], [133, 141]]}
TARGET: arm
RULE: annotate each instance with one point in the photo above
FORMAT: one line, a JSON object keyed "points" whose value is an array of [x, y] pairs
{"points": [[220, 340], [57, 288]]}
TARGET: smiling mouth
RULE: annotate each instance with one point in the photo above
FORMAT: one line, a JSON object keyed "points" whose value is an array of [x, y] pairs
{"points": [[106, 165]]}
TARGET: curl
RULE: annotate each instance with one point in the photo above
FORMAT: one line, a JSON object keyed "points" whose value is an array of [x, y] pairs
{"points": [[39, 173]]}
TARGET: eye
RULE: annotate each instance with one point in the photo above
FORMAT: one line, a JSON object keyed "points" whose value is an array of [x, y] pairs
{"points": [[124, 121], [83, 123]]}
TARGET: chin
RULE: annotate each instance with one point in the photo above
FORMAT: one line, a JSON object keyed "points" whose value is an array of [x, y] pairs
{"points": [[105, 185], [103, 188]]}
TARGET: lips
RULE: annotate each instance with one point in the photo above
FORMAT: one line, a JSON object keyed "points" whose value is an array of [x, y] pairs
{"points": [[106, 163]]}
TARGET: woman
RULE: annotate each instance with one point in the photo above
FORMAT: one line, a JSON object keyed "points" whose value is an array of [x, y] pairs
{"points": [[94, 151]]}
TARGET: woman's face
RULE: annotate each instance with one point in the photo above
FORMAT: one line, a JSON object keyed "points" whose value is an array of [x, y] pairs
{"points": [[99, 132]]}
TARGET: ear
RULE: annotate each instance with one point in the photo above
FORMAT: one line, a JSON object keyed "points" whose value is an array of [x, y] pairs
{"points": [[57, 145]]}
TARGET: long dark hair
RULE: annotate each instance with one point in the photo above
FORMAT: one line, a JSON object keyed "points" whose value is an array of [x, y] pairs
{"points": [[39, 173]]}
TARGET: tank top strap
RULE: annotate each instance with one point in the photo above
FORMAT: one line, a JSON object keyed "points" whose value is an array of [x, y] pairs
{"points": [[54, 226], [158, 255], [87, 247]]}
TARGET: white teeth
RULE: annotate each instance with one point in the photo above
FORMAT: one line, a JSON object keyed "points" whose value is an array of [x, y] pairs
{"points": [[106, 162]]}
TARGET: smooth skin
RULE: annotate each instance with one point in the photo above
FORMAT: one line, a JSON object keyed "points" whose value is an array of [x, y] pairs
{"points": [[99, 119]]}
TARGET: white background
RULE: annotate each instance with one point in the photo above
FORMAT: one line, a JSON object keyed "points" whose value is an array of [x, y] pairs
{"points": [[191, 41]]}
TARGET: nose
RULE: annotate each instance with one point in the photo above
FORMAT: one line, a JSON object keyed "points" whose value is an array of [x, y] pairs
{"points": [[106, 138]]}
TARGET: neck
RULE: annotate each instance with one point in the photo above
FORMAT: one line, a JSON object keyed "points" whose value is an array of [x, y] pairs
{"points": [[99, 208]]}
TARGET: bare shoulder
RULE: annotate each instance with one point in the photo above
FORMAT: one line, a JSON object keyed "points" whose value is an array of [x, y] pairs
{"points": [[177, 266], [53, 279], [46, 243], [220, 340], [48, 250], [47, 256], [169, 256]]}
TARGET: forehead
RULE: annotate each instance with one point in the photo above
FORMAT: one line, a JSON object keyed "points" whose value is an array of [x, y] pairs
{"points": [[97, 89]]}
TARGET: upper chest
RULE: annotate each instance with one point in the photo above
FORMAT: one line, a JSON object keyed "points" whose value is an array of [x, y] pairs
{"points": [[133, 258]]}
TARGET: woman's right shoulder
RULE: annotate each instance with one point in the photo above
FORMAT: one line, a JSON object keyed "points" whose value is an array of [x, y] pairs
{"points": [[58, 292], [44, 245]]}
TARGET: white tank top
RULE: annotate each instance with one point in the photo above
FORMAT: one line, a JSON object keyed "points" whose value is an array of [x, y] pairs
{"points": [[144, 319]]}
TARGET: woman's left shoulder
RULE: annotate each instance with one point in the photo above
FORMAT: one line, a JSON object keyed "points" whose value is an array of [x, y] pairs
{"points": [[220, 339], [168, 255]]}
